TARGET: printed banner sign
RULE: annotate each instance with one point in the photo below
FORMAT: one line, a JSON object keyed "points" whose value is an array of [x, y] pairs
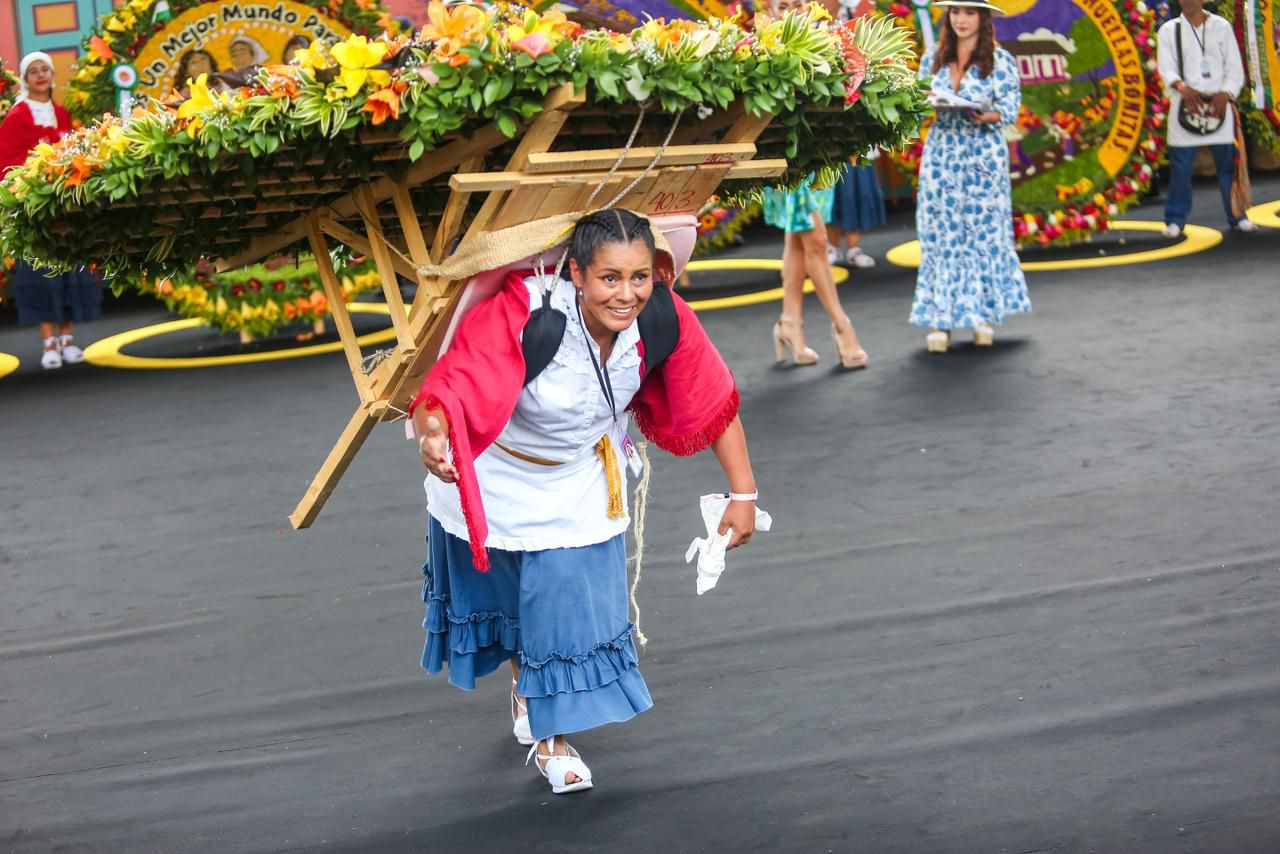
{"points": [[229, 36]]}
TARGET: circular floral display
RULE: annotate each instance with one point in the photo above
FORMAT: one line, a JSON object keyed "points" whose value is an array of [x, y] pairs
{"points": [[1257, 26], [260, 299], [1091, 129]]}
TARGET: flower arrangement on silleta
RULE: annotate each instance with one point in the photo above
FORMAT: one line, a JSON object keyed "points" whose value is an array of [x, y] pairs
{"points": [[262, 298], [343, 111]]}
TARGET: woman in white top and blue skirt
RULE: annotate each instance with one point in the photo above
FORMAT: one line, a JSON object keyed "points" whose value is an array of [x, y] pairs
{"points": [[527, 486]]}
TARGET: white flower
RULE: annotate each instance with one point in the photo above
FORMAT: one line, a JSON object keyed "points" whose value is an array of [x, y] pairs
{"points": [[704, 42]]}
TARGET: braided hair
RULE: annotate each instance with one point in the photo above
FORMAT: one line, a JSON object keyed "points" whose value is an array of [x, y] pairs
{"points": [[608, 226]]}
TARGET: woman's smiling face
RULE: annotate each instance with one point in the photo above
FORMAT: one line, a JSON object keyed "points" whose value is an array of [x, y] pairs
{"points": [[614, 287]]}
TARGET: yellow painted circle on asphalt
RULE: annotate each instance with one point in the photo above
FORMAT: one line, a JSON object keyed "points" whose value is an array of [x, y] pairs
{"points": [[772, 294], [106, 353], [1195, 238], [1267, 214], [8, 364]]}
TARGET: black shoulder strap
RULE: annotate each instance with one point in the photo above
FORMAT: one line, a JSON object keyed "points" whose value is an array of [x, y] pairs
{"points": [[543, 332], [1177, 29], [659, 327]]}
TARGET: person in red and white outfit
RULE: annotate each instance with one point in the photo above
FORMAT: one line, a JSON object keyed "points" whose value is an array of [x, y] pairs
{"points": [[527, 487], [54, 301]]}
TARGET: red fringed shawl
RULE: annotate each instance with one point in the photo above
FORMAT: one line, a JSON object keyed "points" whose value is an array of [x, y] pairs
{"points": [[682, 406], [19, 133]]}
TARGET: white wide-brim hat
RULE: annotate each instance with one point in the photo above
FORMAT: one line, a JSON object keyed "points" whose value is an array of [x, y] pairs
{"points": [[973, 4]]}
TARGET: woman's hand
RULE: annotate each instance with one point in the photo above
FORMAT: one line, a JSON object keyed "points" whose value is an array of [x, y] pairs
{"points": [[741, 517], [433, 443], [731, 451], [988, 118]]}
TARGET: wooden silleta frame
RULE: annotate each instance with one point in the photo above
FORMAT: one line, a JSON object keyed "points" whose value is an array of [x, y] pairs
{"points": [[380, 219]]}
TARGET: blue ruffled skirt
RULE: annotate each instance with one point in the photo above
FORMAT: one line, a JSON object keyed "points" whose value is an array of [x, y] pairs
{"points": [[562, 613]]}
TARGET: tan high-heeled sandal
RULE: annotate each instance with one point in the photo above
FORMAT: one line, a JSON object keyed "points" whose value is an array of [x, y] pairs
{"points": [[937, 341], [984, 335], [852, 357], [789, 332]]}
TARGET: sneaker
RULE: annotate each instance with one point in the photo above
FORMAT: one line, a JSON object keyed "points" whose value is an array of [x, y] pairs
{"points": [[1172, 230], [833, 255], [52, 359], [71, 354], [1248, 226], [855, 257]]}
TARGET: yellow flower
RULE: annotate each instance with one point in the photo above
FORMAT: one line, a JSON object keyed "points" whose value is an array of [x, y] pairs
{"points": [[818, 12], [141, 7], [770, 38], [312, 58], [88, 72], [357, 56], [201, 100], [115, 140], [122, 21]]}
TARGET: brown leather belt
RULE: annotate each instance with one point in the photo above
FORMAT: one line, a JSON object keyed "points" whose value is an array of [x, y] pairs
{"points": [[537, 461]]}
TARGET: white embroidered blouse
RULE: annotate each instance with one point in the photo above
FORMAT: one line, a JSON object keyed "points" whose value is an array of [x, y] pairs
{"points": [[560, 417]]}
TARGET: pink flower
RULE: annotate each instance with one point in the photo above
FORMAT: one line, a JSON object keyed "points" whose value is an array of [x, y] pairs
{"points": [[535, 44], [425, 72]]}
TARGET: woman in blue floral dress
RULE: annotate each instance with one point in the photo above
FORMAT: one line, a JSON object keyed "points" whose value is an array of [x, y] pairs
{"points": [[969, 272]]}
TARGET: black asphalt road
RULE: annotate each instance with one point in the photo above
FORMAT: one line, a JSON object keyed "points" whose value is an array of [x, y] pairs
{"points": [[1021, 600]]}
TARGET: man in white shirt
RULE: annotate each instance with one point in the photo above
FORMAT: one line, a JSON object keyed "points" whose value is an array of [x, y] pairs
{"points": [[1201, 66]]}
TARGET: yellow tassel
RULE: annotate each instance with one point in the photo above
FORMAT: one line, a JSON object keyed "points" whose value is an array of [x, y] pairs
{"points": [[604, 449]]}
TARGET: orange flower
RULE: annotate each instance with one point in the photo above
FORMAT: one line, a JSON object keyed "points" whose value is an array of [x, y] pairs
{"points": [[454, 29], [81, 168], [282, 81], [383, 104], [99, 49]]}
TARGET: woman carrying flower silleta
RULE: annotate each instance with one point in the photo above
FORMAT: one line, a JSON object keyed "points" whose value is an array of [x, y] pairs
{"points": [[527, 488]]}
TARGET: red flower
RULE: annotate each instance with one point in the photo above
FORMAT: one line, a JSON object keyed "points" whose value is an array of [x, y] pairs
{"points": [[279, 286]]}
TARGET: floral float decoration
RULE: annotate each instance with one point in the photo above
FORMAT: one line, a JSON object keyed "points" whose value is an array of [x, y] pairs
{"points": [[303, 133], [9, 89], [154, 37], [1257, 27], [257, 301], [1091, 130], [719, 225]]}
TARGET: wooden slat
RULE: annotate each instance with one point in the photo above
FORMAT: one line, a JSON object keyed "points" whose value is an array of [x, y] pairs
{"points": [[490, 181], [360, 243], [603, 159], [334, 466], [337, 307], [383, 257]]}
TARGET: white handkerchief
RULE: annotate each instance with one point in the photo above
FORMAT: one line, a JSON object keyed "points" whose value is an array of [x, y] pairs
{"points": [[710, 549]]}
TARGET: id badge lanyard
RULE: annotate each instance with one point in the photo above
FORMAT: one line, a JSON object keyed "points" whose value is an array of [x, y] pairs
{"points": [[1201, 38], [620, 435]]}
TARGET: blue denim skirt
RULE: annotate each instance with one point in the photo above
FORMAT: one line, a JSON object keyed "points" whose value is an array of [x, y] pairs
{"points": [[561, 613], [859, 203]]}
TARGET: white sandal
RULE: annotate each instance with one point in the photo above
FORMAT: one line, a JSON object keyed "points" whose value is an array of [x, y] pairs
{"points": [[558, 768], [520, 718]]}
